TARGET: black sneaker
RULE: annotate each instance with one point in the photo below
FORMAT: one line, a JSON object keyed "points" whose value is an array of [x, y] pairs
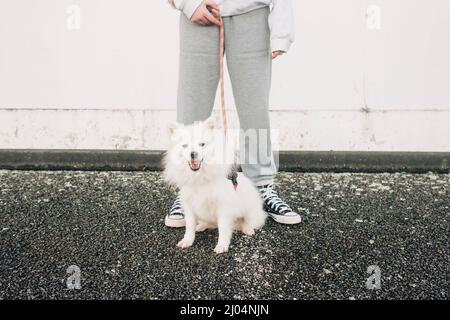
{"points": [[175, 217], [276, 208]]}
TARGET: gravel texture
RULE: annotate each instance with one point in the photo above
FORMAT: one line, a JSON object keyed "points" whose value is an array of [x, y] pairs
{"points": [[111, 225]]}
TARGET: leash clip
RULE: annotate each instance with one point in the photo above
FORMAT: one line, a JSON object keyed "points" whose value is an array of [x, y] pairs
{"points": [[232, 175]]}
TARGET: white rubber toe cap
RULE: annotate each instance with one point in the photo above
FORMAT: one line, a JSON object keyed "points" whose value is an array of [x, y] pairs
{"points": [[290, 218], [174, 223]]}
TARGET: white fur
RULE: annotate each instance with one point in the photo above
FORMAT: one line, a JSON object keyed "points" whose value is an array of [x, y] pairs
{"points": [[208, 197]]}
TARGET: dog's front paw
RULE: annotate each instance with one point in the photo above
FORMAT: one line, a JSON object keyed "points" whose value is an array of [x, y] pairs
{"points": [[185, 243], [221, 248]]}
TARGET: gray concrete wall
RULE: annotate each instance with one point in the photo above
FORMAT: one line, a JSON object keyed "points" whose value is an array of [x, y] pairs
{"points": [[362, 75]]}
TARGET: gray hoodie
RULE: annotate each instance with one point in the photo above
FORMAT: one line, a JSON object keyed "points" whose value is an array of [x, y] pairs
{"points": [[281, 19]]}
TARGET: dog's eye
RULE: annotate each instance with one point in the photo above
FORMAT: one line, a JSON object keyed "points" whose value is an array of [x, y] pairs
{"points": [[202, 144], [184, 145]]}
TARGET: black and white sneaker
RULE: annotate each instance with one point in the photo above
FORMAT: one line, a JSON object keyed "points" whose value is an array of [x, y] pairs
{"points": [[276, 208], [175, 217]]}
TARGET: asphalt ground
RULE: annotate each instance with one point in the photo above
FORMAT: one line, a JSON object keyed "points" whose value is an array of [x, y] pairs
{"points": [[111, 226]]}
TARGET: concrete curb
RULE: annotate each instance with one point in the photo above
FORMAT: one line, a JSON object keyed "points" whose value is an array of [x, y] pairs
{"points": [[300, 161]]}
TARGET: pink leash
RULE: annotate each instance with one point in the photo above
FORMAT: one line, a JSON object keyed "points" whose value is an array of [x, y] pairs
{"points": [[222, 78], [232, 175]]}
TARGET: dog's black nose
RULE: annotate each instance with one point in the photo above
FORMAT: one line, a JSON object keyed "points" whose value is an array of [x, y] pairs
{"points": [[194, 155]]}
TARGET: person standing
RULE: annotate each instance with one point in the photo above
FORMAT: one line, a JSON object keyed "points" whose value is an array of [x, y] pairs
{"points": [[256, 32]]}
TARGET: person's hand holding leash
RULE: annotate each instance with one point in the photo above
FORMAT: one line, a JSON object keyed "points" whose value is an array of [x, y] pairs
{"points": [[203, 16]]}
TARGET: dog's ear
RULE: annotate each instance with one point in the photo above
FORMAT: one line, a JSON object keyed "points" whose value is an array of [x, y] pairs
{"points": [[212, 122], [173, 126]]}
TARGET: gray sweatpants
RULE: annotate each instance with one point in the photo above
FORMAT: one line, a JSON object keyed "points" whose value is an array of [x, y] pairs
{"points": [[247, 49]]}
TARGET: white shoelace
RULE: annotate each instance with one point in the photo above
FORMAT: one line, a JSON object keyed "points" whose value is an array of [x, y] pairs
{"points": [[272, 199], [177, 208]]}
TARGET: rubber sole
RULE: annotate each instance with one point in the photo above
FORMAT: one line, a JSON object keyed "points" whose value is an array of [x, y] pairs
{"points": [[174, 223], [180, 223], [285, 219]]}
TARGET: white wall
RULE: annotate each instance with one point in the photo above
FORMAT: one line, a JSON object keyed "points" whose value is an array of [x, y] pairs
{"points": [[351, 81]]}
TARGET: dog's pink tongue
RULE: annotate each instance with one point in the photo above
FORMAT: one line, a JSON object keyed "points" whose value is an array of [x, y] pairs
{"points": [[194, 164]]}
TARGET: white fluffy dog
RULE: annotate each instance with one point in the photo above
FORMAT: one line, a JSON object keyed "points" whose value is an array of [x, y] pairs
{"points": [[198, 163]]}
